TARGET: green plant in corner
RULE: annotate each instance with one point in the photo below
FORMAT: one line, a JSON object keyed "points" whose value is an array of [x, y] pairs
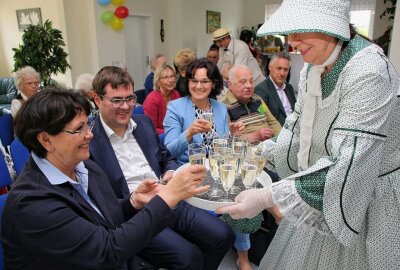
{"points": [[42, 48]]}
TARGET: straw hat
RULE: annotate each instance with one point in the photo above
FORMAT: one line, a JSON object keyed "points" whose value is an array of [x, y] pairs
{"points": [[331, 17], [220, 33]]}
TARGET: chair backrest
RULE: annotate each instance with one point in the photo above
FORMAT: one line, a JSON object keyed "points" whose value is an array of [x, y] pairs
{"points": [[141, 95], [6, 130], [138, 109], [19, 154], [2, 201], [5, 178]]}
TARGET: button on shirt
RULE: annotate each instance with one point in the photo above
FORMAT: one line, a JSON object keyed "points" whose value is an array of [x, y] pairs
{"points": [[130, 156], [282, 96]]}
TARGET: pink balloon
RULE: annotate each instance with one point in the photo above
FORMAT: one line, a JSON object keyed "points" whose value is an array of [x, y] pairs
{"points": [[121, 12]]}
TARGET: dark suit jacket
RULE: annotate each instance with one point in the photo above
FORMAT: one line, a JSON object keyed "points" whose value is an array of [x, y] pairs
{"points": [[146, 136], [266, 90], [47, 226]]}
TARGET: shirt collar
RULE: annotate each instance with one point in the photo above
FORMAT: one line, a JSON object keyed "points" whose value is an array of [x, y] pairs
{"points": [[55, 176], [276, 87], [131, 126], [232, 99]]}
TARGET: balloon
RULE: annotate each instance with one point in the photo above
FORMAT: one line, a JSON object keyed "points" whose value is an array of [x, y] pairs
{"points": [[107, 16], [117, 2], [121, 12], [103, 2], [117, 23]]}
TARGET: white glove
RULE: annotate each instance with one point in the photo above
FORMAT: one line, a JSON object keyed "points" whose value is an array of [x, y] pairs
{"points": [[250, 203]]}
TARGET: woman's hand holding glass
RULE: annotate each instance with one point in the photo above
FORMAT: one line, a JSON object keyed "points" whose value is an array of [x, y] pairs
{"points": [[186, 183], [198, 126]]}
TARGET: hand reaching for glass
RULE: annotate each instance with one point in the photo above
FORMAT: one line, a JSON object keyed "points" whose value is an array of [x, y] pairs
{"points": [[250, 203], [236, 128], [186, 183]]}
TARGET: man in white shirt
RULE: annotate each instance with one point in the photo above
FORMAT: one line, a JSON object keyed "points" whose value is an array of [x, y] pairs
{"points": [[236, 52], [128, 149], [275, 91]]}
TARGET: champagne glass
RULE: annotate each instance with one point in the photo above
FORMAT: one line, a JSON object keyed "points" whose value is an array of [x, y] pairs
{"points": [[227, 174], [216, 159], [197, 153], [220, 142], [249, 174], [257, 158], [209, 117], [239, 144], [235, 159]]}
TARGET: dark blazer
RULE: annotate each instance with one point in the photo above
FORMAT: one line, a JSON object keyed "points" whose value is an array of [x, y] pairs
{"points": [[47, 226], [146, 136], [266, 90]]}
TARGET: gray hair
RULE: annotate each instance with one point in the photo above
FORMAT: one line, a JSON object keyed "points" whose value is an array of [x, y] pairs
{"points": [[26, 71], [84, 82], [281, 55], [232, 72], [154, 60], [157, 74]]}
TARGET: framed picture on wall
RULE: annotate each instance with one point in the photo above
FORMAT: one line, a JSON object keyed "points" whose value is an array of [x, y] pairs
{"points": [[27, 17], [213, 21]]}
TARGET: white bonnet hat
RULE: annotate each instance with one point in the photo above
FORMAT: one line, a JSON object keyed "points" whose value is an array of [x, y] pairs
{"points": [[331, 17]]}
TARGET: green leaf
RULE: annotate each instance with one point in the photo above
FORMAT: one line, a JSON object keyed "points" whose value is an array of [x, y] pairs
{"points": [[42, 48]]}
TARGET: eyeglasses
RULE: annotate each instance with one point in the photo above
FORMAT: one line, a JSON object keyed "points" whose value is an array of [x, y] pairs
{"points": [[172, 77], [202, 82], [82, 131], [118, 102]]}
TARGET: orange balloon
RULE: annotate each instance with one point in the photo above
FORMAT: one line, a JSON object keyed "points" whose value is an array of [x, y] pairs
{"points": [[117, 23]]}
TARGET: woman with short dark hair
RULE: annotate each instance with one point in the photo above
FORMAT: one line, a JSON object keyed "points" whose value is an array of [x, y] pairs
{"points": [[61, 212]]}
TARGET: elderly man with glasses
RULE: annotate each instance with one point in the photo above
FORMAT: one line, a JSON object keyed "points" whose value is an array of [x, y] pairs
{"points": [[129, 151]]}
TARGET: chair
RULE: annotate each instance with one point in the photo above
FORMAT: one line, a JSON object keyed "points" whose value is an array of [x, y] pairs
{"points": [[2, 202], [19, 154], [5, 178], [138, 110], [8, 92], [6, 130], [140, 95]]}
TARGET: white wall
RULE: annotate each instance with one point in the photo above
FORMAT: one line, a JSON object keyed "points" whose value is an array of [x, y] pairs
{"points": [[81, 32], [91, 44], [10, 37]]}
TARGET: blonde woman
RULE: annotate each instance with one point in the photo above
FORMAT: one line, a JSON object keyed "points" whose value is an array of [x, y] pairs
{"points": [[155, 104]]}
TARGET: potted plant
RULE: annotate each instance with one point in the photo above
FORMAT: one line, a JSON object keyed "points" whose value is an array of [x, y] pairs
{"points": [[42, 49]]}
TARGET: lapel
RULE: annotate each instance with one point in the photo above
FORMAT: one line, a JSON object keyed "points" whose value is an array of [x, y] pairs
{"points": [[275, 96], [97, 197], [141, 139], [87, 210], [290, 95], [105, 156]]}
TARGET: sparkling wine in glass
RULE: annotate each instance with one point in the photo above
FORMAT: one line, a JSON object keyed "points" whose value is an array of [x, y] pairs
{"points": [[208, 116], [216, 159], [197, 153], [228, 175], [249, 174]]}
